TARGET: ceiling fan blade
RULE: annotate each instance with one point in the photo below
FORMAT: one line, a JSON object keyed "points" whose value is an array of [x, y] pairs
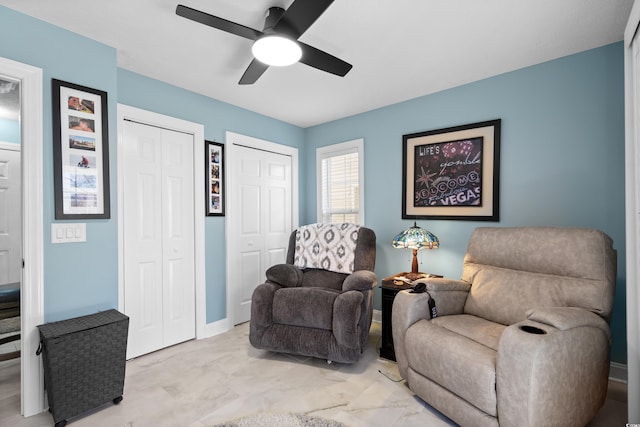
{"points": [[253, 72], [323, 61], [218, 23], [300, 16]]}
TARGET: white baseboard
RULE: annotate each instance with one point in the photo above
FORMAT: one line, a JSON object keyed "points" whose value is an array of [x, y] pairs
{"points": [[216, 328], [377, 316], [618, 372]]}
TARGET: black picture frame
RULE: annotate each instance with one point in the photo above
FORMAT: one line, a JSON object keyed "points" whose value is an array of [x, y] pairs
{"points": [[452, 173], [80, 152], [214, 179]]}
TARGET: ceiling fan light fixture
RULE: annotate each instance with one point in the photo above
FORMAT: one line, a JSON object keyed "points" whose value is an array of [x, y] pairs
{"points": [[276, 50]]}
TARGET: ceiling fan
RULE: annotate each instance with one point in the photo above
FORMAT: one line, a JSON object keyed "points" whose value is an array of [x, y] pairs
{"points": [[285, 26]]}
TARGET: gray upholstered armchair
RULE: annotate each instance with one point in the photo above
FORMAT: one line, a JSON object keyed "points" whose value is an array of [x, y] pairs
{"points": [[320, 303], [523, 339]]}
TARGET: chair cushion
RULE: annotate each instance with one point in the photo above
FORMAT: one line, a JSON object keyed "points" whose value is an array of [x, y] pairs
{"points": [[315, 278], [505, 296], [464, 365], [475, 328], [516, 269], [306, 307]]}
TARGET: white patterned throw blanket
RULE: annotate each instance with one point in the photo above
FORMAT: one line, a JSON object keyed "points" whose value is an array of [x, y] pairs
{"points": [[327, 246]]}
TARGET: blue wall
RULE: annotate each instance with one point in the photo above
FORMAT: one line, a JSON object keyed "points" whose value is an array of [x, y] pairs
{"points": [[562, 158], [78, 278]]}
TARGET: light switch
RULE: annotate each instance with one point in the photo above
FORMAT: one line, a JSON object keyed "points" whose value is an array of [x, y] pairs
{"points": [[63, 232]]}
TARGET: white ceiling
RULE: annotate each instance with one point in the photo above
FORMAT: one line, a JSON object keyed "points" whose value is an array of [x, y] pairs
{"points": [[400, 49]]}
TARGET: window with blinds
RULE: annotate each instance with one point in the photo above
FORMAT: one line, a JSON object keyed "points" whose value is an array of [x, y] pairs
{"points": [[340, 186]]}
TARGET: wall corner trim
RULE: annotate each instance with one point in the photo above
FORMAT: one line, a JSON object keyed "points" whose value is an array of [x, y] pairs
{"points": [[216, 328]]}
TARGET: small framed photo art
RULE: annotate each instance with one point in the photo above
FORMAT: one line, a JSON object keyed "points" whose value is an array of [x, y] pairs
{"points": [[80, 152], [214, 174], [452, 173]]}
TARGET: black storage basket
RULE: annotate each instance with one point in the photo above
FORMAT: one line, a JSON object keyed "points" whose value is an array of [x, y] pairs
{"points": [[84, 362]]}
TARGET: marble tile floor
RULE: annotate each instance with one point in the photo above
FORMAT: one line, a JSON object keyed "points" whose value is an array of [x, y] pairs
{"points": [[202, 383]]}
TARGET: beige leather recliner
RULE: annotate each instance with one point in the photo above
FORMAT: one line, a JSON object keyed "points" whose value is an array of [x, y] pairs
{"points": [[523, 339]]}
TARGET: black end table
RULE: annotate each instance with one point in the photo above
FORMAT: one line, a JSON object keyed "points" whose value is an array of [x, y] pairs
{"points": [[390, 288]]}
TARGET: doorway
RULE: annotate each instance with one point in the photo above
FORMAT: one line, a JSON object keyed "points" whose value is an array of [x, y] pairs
{"points": [[161, 228], [10, 233], [262, 212], [10, 189], [31, 283]]}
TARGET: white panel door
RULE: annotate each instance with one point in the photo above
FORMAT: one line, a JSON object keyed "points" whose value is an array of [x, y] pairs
{"points": [[178, 237], [158, 237], [262, 183], [10, 215]]}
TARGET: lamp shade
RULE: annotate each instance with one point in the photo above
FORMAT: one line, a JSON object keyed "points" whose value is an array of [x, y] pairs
{"points": [[416, 238], [276, 50]]}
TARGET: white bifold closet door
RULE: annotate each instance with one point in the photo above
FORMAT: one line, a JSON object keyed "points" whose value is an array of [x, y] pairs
{"points": [[159, 273]]}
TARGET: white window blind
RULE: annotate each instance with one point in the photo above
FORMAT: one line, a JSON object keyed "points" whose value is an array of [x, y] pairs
{"points": [[340, 183]]}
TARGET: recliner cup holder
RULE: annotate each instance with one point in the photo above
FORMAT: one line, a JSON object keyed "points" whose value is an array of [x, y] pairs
{"points": [[532, 330]]}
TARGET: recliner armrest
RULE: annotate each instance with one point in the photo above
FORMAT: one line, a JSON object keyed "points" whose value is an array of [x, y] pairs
{"points": [[565, 318], [557, 356], [361, 280], [261, 312], [449, 295], [407, 309], [346, 314], [285, 275]]}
